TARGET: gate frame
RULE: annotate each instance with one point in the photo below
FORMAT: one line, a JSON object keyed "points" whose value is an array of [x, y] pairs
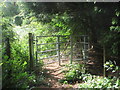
{"points": [[31, 47], [71, 45]]}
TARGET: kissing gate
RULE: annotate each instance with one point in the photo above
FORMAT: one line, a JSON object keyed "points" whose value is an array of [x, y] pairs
{"points": [[56, 48]]}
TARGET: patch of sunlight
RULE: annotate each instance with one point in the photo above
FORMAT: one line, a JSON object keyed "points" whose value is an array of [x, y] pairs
{"points": [[22, 31]]}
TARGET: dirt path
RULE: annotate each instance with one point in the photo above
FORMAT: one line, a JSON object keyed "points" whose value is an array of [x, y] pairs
{"points": [[54, 73]]}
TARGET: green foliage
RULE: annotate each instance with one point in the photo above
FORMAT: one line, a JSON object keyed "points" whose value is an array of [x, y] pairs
{"points": [[18, 20], [60, 24], [99, 82], [15, 67], [79, 18], [47, 19], [112, 68], [111, 38], [115, 22], [73, 74], [39, 28], [111, 41], [9, 9], [7, 28], [15, 72]]}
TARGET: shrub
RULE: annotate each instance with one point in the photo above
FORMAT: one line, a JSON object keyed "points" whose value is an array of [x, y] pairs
{"points": [[74, 73], [99, 82], [112, 70], [16, 69]]}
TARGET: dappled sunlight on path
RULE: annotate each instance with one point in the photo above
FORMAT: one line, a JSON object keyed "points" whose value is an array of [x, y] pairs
{"points": [[54, 74]]}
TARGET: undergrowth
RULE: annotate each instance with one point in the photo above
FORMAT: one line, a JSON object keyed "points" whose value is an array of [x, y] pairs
{"points": [[91, 81], [15, 71], [73, 73], [76, 73]]}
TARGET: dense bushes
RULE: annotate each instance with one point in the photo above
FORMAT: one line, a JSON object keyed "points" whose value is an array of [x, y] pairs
{"points": [[77, 73], [15, 60], [14, 67]]}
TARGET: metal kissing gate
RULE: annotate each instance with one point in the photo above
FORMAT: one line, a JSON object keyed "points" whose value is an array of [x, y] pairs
{"points": [[57, 48]]}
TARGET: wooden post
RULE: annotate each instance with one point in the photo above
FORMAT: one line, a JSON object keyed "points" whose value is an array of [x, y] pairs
{"points": [[84, 49], [71, 50], [104, 60], [8, 52], [31, 52], [0, 59], [88, 42], [88, 48], [36, 53], [58, 49]]}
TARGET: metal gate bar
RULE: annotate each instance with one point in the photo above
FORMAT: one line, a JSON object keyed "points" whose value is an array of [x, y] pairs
{"points": [[71, 46]]}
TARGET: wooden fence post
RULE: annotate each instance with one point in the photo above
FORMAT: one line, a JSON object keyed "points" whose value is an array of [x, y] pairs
{"points": [[58, 49], [31, 51], [71, 50], [104, 60], [8, 52], [84, 49], [36, 52]]}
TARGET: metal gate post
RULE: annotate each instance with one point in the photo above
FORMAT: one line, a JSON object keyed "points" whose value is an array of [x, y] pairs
{"points": [[71, 50], [31, 51], [58, 48]]}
